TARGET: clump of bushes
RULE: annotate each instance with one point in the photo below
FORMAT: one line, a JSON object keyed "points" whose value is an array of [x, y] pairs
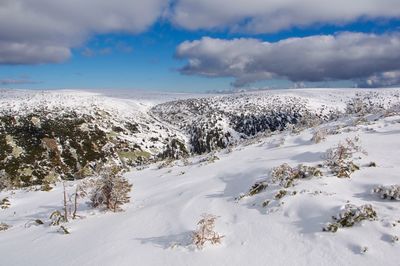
{"points": [[286, 175], [363, 104], [388, 192], [351, 215], [340, 158], [205, 231]]}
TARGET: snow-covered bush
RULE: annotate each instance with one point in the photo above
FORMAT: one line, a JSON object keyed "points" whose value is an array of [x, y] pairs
{"points": [[280, 194], [258, 187], [5, 180], [319, 135], [388, 192], [286, 175], [351, 215], [363, 104], [5, 203], [110, 190], [340, 158], [4, 226], [56, 218], [205, 231], [175, 149]]}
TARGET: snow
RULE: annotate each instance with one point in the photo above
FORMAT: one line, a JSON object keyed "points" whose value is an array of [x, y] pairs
{"points": [[166, 204]]}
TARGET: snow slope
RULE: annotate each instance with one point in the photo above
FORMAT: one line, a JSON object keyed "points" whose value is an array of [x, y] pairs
{"points": [[156, 227]]}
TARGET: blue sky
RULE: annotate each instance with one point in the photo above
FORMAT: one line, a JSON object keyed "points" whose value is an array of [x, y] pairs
{"points": [[146, 59]]}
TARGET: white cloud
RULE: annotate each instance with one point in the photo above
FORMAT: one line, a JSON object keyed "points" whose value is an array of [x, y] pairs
{"points": [[345, 56], [385, 79], [31, 53], [260, 16], [50, 28], [17, 81], [58, 25]]}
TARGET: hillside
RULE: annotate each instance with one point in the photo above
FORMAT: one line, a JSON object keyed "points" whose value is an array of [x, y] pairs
{"points": [[228, 165]]}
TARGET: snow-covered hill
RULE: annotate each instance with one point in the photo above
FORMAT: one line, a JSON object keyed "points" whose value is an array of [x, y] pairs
{"points": [[48, 135], [277, 224]]}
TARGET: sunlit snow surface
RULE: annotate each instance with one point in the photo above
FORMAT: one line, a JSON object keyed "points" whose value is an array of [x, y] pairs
{"points": [[166, 203]]}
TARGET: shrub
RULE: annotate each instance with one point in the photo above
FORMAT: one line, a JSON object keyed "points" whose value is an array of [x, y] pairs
{"points": [[4, 227], [5, 180], [319, 135], [285, 175], [388, 192], [56, 218], [280, 194], [258, 187], [205, 231], [5, 203], [339, 158], [265, 203], [80, 192], [350, 216], [110, 190], [63, 230], [362, 105]]}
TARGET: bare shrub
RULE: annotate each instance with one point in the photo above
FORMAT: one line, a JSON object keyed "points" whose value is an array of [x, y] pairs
{"points": [[5, 180], [4, 227], [65, 208], [286, 175], [319, 135], [80, 192], [110, 190], [258, 187], [388, 192], [205, 231], [351, 215], [63, 230], [280, 194], [56, 218], [362, 105], [5, 203], [340, 158]]}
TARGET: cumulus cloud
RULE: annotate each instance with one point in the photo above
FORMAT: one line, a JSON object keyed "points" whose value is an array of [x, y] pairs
{"points": [[31, 53], [44, 31], [345, 56], [385, 79], [260, 16]]}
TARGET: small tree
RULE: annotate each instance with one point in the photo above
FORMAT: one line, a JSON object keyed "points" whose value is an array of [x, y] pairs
{"points": [[111, 190], [80, 192], [65, 203]]}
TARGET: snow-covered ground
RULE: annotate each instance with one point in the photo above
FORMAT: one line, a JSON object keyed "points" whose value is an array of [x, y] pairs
{"points": [[155, 228]]}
